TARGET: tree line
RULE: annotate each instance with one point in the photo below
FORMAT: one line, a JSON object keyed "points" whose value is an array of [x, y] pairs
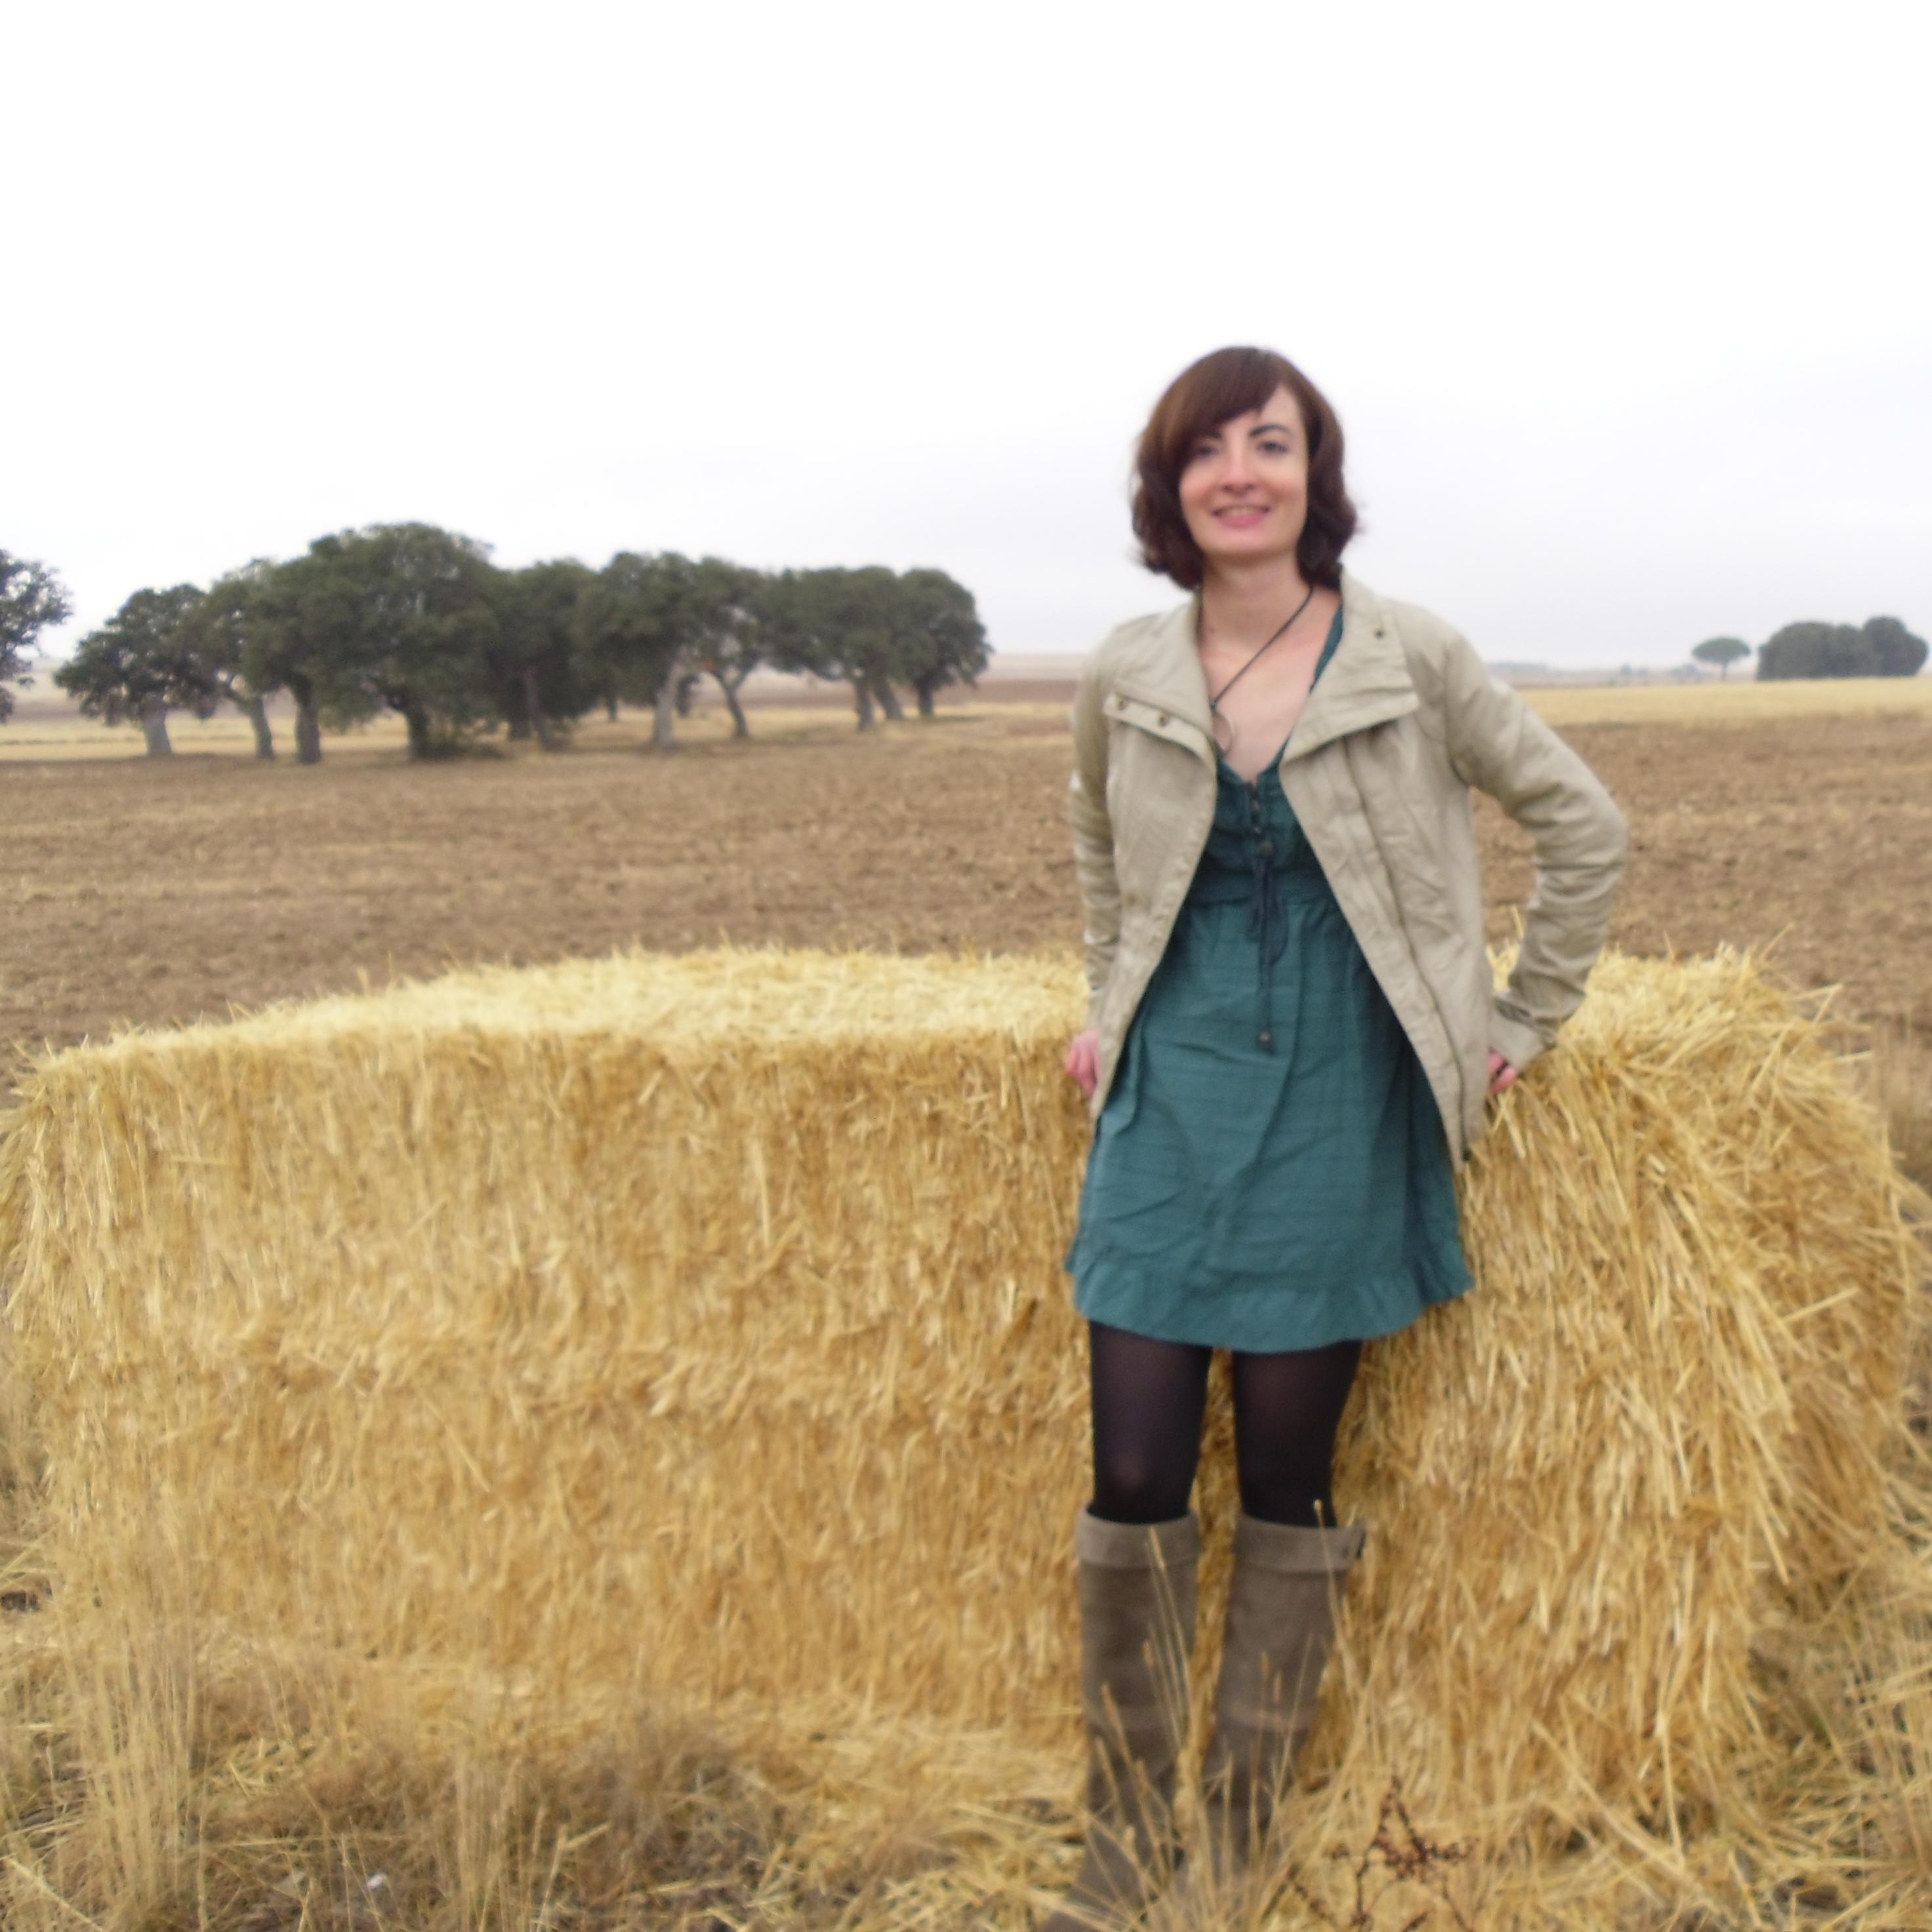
{"points": [[1879, 647], [416, 620]]}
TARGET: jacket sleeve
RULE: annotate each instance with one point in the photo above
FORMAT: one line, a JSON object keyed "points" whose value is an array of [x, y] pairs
{"points": [[1499, 745], [1093, 839]]}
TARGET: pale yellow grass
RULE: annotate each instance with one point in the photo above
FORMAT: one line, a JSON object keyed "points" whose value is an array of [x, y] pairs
{"points": [[37, 737], [462, 1420], [1740, 702], [42, 729]]}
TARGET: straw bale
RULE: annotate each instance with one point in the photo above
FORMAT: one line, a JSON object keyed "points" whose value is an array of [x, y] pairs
{"points": [[697, 1325]]}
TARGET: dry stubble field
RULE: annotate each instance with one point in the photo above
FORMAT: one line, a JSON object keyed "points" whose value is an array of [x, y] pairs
{"points": [[158, 892], [1798, 818]]}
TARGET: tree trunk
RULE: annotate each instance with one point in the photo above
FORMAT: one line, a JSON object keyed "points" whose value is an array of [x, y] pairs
{"points": [[257, 711], [155, 728], [517, 705], [926, 687], [535, 716], [739, 729], [862, 691], [611, 709], [417, 718], [308, 733], [888, 701]]}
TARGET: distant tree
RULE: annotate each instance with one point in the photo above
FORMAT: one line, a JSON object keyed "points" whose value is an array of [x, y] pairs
{"points": [[535, 672], [940, 637], [142, 663], [734, 611], [1882, 647], [31, 598], [1898, 652], [396, 617], [838, 623], [1722, 652], [303, 643], [640, 625], [229, 632]]}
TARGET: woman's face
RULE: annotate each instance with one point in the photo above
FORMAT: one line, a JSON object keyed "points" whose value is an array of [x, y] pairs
{"points": [[1244, 486]]}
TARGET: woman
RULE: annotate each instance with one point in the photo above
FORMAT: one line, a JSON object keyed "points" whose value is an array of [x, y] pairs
{"points": [[1293, 1034]]}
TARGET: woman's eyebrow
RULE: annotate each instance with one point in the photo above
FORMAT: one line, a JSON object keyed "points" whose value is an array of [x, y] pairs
{"points": [[1271, 428]]}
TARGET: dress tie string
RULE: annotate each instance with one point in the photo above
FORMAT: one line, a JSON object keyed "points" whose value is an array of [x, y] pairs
{"points": [[1267, 919]]}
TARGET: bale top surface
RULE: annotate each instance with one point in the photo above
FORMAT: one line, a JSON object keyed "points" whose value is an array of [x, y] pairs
{"points": [[691, 1001]]}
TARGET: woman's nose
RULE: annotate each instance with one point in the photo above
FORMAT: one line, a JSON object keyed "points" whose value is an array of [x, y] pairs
{"points": [[1236, 473]]}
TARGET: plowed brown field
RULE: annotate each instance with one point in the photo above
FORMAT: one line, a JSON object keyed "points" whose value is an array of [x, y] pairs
{"points": [[159, 891]]}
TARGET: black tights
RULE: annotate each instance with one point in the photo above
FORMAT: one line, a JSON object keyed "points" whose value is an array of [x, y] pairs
{"points": [[1149, 1398]]}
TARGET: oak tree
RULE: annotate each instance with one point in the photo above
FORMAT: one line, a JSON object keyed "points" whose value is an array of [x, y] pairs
{"points": [[394, 616], [535, 672], [143, 663], [639, 627], [32, 599], [229, 632], [940, 637]]}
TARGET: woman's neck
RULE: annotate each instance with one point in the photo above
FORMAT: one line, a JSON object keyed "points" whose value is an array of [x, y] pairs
{"points": [[1243, 606]]}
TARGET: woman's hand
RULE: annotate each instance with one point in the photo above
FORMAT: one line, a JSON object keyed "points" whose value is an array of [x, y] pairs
{"points": [[1083, 1060], [1502, 1076]]}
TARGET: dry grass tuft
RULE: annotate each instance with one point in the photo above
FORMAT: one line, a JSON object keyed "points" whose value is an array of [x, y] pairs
{"points": [[598, 1446], [1899, 1074]]}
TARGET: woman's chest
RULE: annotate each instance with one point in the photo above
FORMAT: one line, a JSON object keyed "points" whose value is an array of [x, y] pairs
{"points": [[1255, 708]]}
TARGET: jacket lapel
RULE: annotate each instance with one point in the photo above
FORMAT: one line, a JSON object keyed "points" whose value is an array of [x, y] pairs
{"points": [[1367, 681]]}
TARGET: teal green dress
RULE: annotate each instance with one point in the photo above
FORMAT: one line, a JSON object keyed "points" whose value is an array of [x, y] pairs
{"points": [[1270, 1171]]}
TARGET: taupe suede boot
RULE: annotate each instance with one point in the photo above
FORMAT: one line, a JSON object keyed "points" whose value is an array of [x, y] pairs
{"points": [[1287, 1584], [1137, 1598]]}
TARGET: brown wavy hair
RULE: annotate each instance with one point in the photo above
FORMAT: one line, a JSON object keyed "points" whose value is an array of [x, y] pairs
{"points": [[1229, 382]]}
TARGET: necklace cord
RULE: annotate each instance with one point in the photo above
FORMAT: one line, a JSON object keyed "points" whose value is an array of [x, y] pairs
{"points": [[1214, 699]]}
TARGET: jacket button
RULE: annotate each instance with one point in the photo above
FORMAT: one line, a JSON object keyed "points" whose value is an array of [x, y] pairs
{"points": [[1267, 848], [1267, 1039]]}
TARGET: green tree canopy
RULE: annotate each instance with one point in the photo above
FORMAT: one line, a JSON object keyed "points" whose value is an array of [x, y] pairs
{"points": [[1897, 652], [1722, 652], [640, 625], [537, 676], [301, 642], [1881, 647], [734, 612], [399, 616], [230, 632], [940, 639], [843, 624], [31, 599], [142, 663]]}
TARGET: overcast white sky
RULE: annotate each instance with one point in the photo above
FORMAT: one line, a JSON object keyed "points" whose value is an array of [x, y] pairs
{"points": [[1626, 311]]}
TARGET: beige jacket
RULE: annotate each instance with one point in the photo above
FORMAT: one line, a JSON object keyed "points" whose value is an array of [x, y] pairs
{"points": [[1400, 725]]}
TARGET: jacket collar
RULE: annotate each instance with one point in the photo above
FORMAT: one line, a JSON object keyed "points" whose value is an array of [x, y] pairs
{"points": [[1367, 681]]}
